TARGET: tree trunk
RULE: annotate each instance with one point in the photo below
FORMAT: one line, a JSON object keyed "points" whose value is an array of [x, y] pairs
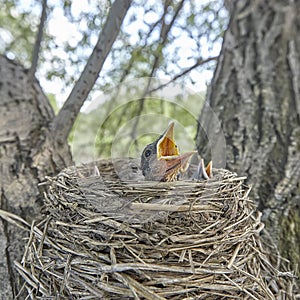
{"points": [[27, 153], [255, 94]]}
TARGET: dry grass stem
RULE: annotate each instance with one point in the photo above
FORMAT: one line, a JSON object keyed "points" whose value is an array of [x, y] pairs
{"points": [[104, 238]]}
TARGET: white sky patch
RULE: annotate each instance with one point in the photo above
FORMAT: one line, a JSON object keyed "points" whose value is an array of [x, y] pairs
{"points": [[150, 17], [5, 36], [61, 28], [59, 52], [79, 6]]}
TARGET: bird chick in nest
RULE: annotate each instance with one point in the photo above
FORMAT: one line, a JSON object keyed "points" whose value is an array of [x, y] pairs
{"points": [[161, 160]]}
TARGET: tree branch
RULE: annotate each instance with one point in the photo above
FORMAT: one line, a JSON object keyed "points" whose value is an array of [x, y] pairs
{"points": [[37, 45], [63, 122], [126, 71], [166, 29], [198, 63], [164, 32]]}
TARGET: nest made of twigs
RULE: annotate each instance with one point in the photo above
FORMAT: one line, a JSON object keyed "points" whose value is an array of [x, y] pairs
{"points": [[103, 238]]}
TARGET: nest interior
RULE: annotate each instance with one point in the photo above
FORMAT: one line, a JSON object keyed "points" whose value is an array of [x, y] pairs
{"points": [[105, 238]]}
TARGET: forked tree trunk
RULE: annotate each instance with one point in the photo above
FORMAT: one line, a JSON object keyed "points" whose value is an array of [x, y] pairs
{"points": [[255, 94], [27, 154]]}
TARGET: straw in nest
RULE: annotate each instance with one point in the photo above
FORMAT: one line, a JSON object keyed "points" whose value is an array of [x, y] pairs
{"points": [[103, 238]]}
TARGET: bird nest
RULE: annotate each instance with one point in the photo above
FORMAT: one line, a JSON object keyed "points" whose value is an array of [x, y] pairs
{"points": [[104, 238]]}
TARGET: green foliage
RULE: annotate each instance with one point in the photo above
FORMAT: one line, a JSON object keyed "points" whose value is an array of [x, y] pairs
{"points": [[110, 129], [53, 103], [158, 39], [17, 31], [145, 38], [289, 235]]}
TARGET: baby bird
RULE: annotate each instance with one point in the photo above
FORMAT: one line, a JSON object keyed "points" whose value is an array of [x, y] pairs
{"points": [[161, 160]]}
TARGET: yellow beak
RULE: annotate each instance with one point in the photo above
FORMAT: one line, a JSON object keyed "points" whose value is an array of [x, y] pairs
{"points": [[168, 153], [166, 144]]}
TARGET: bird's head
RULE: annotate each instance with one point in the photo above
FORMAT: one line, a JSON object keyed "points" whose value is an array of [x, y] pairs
{"points": [[161, 160]]}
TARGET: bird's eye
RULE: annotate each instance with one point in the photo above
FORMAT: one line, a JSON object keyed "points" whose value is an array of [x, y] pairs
{"points": [[148, 153]]}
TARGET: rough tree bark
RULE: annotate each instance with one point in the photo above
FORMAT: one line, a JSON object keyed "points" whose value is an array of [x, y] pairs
{"points": [[27, 154], [255, 93], [33, 142]]}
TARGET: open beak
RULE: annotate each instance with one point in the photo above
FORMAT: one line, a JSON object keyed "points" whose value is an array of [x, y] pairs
{"points": [[202, 171], [166, 144], [176, 164], [168, 152]]}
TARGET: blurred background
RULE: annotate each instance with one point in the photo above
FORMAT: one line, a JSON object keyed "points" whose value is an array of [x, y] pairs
{"points": [[175, 41]]}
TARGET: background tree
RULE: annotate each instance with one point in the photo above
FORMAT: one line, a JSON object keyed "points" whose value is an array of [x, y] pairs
{"points": [[255, 94], [171, 39], [33, 140]]}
